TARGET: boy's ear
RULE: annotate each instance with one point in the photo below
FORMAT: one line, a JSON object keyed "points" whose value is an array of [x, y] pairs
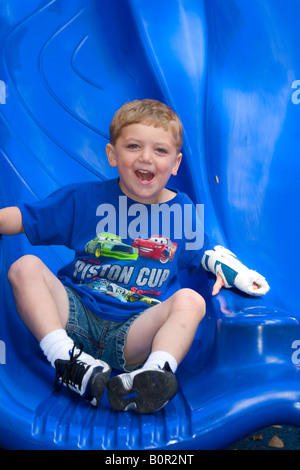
{"points": [[177, 163], [110, 152]]}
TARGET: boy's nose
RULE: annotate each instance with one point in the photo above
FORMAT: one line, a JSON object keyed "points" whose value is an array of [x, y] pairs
{"points": [[146, 155]]}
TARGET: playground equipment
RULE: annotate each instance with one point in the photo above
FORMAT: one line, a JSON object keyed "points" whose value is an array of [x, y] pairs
{"points": [[231, 71]]}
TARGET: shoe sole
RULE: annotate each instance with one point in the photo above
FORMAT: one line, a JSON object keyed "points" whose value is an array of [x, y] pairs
{"points": [[152, 390]]}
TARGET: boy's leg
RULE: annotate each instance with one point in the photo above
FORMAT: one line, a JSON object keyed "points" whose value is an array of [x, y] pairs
{"points": [[169, 326], [43, 305], [41, 299], [166, 330]]}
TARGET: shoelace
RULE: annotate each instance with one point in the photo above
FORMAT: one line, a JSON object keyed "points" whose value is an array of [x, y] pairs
{"points": [[71, 372]]}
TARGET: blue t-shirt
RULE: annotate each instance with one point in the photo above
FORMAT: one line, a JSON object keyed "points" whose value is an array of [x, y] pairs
{"points": [[127, 255]]}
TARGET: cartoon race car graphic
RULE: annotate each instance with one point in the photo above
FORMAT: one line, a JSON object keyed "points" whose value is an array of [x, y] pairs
{"points": [[107, 244], [156, 247], [109, 288], [123, 295]]}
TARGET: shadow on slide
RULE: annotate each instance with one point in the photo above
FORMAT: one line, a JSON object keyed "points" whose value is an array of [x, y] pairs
{"points": [[230, 71]]}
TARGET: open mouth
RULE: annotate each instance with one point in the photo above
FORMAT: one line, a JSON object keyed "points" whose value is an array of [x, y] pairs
{"points": [[144, 175]]}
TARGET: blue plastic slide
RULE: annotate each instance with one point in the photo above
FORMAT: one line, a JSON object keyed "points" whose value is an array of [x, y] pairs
{"points": [[231, 69]]}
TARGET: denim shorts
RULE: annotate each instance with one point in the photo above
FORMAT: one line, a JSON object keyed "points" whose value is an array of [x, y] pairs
{"points": [[102, 339]]}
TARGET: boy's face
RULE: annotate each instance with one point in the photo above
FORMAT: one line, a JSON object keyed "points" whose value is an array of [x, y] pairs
{"points": [[146, 156]]}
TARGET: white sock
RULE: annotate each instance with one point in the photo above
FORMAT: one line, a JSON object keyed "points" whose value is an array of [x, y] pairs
{"points": [[158, 359], [57, 345]]}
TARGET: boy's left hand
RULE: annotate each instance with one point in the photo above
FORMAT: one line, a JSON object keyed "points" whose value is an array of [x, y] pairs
{"points": [[231, 272], [220, 283]]}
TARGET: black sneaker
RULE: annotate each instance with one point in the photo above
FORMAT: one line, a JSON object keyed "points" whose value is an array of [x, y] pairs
{"points": [[87, 376], [144, 390]]}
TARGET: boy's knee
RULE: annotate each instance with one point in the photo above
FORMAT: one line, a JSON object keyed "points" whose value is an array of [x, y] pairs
{"points": [[23, 267], [192, 302]]}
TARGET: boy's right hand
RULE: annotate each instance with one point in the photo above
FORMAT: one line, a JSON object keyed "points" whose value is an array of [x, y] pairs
{"points": [[11, 221]]}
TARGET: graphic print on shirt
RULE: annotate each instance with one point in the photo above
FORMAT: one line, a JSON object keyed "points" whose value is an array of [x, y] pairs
{"points": [[120, 293], [97, 274], [107, 244], [156, 247]]}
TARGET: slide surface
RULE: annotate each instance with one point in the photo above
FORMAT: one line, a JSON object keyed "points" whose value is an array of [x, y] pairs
{"points": [[231, 70]]}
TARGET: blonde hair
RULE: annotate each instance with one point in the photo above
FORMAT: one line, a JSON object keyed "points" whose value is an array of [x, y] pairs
{"points": [[149, 112]]}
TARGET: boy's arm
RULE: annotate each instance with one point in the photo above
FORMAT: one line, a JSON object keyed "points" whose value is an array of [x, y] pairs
{"points": [[232, 273], [11, 221]]}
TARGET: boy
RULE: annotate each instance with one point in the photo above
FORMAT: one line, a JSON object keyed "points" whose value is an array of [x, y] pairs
{"points": [[112, 305]]}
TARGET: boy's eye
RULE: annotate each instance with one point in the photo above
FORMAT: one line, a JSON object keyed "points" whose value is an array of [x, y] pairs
{"points": [[132, 146], [161, 150]]}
